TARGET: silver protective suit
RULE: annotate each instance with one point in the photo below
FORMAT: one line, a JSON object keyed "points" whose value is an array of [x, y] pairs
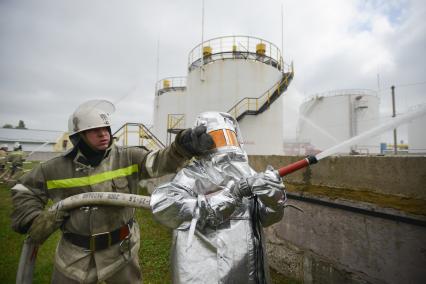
{"points": [[227, 245]]}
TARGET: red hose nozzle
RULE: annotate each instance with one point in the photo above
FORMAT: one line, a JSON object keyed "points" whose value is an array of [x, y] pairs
{"points": [[309, 160]]}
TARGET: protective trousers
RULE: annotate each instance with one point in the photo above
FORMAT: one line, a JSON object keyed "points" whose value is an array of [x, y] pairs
{"points": [[129, 274]]}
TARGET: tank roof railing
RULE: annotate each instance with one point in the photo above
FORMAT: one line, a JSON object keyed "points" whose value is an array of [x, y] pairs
{"points": [[342, 92], [170, 84], [236, 47]]}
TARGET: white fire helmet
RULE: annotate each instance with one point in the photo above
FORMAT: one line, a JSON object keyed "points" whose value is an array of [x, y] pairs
{"points": [[224, 130], [89, 115]]}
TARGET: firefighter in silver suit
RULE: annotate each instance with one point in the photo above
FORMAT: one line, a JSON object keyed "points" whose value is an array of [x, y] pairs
{"points": [[217, 206]]}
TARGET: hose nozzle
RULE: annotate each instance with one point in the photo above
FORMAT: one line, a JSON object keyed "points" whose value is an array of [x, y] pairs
{"points": [[309, 160]]}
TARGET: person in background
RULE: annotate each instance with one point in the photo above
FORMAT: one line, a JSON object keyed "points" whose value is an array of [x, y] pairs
{"points": [[98, 243], [3, 159], [217, 206], [15, 161]]}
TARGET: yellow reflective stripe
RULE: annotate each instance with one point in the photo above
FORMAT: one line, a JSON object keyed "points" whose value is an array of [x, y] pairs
{"points": [[89, 180]]}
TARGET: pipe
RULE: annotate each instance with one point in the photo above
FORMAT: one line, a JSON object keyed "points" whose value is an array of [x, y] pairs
{"points": [[309, 160]]}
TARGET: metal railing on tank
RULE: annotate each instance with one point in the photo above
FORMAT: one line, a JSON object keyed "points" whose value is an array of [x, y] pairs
{"points": [[236, 47], [342, 92], [137, 134], [253, 106], [170, 84]]}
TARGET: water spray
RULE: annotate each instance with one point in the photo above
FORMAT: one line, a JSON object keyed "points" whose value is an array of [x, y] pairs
{"points": [[394, 122]]}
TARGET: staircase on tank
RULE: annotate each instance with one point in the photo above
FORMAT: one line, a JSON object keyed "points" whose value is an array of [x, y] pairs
{"points": [[137, 134], [255, 106]]}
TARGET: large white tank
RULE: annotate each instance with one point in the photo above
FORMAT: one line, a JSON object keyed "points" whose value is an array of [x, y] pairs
{"points": [[333, 117], [222, 74], [169, 106], [417, 135]]}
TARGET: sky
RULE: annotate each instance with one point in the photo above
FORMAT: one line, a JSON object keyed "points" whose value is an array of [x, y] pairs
{"points": [[56, 54]]}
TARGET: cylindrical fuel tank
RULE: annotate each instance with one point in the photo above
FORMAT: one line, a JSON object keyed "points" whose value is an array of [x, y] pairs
{"points": [[417, 135], [222, 73], [329, 118], [169, 102]]}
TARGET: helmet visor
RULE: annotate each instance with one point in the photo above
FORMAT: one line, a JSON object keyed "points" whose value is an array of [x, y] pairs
{"points": [[224, 137]]}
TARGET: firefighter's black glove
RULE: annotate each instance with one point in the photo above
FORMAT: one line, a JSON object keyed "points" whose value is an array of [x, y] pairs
{"points": [[46, 224], [196, 141]]}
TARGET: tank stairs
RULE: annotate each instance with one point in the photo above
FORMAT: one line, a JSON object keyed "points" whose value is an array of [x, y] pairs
{"points": [[137, 134], [246, 106], [254, 106]]}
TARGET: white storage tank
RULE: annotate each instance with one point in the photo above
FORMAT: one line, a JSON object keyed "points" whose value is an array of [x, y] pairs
{"points": [[238, 74], [330, 118], [417, 135], [169, 106]]}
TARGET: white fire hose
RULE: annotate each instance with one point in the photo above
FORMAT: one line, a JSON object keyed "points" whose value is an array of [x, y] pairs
{"points": [[28, 257]]}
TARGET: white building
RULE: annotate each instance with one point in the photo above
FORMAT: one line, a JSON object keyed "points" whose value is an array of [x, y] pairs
{"points": [[242, 75], [34, 140]]}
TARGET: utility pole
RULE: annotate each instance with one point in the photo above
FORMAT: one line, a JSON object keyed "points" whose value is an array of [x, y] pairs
{"points": [[202, 43], [282, 31], [395, 141]]}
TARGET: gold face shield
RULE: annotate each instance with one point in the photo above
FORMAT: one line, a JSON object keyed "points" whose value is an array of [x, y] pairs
{"points": [[224, 138]]}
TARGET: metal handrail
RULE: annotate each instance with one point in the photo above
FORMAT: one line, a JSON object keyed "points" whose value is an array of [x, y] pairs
{"points": [[342, 92], [151, 137], [173, 120], [255, 104], [143, 132], [173, 83], [239, 44]]}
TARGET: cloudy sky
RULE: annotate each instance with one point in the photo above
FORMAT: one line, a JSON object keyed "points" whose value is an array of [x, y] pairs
{"points": [[56, 54]]}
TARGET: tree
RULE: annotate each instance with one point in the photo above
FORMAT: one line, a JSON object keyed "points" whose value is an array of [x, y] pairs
{"points": [[21, 125], [7, 125]]}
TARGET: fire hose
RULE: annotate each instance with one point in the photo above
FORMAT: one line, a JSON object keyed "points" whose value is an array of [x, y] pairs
{"points": [[28, 257], [29, 249]]}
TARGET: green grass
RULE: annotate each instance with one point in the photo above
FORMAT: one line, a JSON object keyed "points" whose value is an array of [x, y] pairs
{"points": [[153, 254]]}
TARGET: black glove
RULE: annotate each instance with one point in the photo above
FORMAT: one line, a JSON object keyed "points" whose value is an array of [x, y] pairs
{"points": [[196, 141]]}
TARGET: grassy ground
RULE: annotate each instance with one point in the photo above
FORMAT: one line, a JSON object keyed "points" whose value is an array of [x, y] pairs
{"points": [[154, 251]]}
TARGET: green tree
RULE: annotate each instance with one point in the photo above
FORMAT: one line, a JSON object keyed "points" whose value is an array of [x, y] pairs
{"points": [[7, 125], [21, 125]]}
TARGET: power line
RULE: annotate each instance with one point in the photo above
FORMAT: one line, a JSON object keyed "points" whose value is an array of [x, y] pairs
{"points": [[411, 84], [403, 86]]}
